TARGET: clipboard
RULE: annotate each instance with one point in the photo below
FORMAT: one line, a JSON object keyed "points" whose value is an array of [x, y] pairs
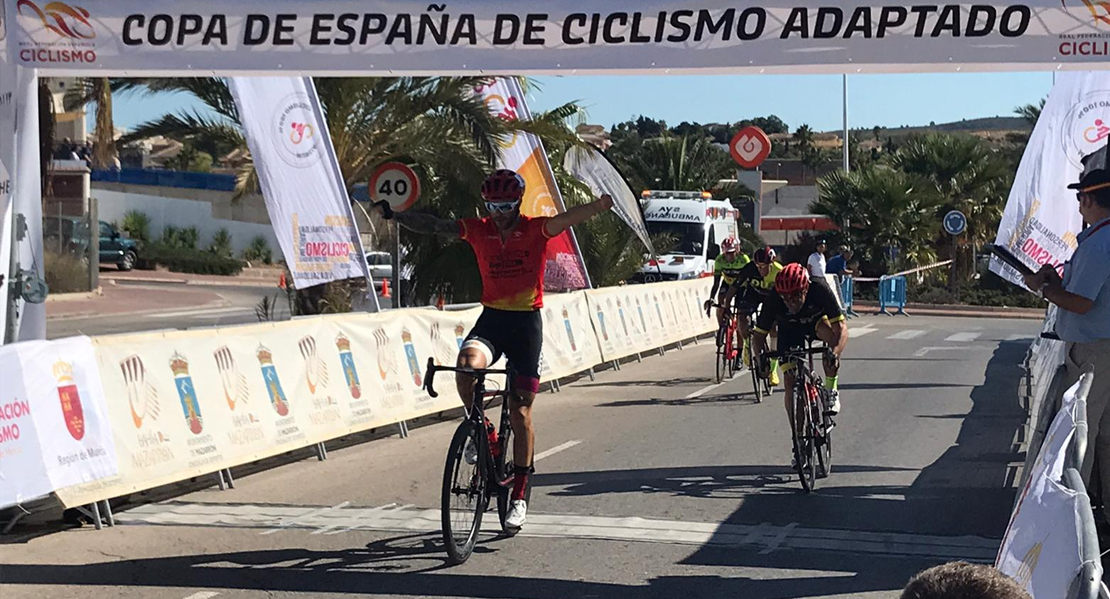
{"points": [[1013, 261]]}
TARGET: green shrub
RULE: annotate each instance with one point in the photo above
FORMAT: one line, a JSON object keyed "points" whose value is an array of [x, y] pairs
{"points": [[188, 237], [259, 251], [137, 225], [191, 260], [221, 243], [65, 272]]}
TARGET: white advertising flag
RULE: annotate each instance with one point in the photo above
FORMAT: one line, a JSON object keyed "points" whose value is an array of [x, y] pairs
{"points": [[1041, 549], [524, 153], [591, 167], [300, 178], [1041, 219]]}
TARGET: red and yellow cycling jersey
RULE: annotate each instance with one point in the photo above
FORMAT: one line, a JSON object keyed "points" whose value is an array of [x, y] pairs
{"points": [[512, 270]]}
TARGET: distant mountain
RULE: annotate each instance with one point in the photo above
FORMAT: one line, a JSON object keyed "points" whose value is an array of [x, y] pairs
{"points": [[993, 123]]}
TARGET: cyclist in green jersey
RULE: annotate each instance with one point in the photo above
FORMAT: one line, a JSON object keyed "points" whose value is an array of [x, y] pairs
{"points": [[753, 285], [726, 267]]}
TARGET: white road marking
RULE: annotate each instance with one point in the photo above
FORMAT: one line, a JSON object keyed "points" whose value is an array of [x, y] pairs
{"points": [[201, 312], [757, 537], [705, 390], [202, 595], [283, 524], [963, 337], [925, 350], [555, 450], [907, 334], [861, 331], [1019, 337]]}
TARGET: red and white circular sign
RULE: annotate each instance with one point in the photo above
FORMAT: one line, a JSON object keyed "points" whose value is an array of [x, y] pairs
{"points": [[396, 184], [750, 147]]}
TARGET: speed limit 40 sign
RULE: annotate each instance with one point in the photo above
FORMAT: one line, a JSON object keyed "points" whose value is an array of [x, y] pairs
{"points": [[395, 184]]}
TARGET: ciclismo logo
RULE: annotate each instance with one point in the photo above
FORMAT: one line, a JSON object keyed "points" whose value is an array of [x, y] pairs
{"points": [[294, 136], [1100, 11], [69, 30], [1086, 126]]}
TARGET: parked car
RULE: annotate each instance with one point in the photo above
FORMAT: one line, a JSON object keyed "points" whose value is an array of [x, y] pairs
{"points": [[70, 233], [381, 266]]}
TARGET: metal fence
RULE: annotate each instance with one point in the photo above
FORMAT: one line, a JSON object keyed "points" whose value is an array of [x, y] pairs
{"points": [[1045, 387]]}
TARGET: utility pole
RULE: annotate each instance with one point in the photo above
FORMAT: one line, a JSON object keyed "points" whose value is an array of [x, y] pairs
{"points": [[847, 167]]}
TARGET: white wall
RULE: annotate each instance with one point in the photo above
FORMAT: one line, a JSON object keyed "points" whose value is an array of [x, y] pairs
{"points": [[113, 205]]}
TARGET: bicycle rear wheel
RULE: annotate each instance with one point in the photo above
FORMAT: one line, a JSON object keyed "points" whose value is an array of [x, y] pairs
{"points": [[722, 357], [465, 493], [503, 465], [757, 384]]}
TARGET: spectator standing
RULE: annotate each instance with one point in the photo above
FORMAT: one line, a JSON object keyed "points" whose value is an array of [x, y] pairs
{"points": [[840, 265], [816, 263], [1083, 321]]}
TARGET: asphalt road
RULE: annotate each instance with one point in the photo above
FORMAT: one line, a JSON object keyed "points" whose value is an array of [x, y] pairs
{"points": [[651, 482]]}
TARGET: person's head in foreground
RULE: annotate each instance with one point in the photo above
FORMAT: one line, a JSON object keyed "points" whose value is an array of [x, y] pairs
{"points": [[503, 191], [1093, 189], [961, 580]]}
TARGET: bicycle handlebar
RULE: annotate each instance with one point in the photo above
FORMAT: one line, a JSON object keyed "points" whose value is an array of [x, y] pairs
{"points": [[430, 375], [787, 354]]}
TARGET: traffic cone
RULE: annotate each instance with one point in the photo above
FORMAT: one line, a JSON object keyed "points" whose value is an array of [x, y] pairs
{"points": [[385, 288], [281, 281]]}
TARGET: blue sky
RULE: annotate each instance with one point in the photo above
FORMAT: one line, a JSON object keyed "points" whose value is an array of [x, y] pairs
{"points": [[885, 100]]}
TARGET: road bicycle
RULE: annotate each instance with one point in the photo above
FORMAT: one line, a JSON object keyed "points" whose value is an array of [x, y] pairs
{"points": [[812, 432], [467, 487], [728, 357], [761, 385]]}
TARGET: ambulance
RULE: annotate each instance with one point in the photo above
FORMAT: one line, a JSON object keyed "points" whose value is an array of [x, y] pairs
{"points": [[696, 222]]}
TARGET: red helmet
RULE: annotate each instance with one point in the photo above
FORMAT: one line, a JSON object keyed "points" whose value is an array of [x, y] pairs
{"points": [[730, 244], [503, 185], [791, 279], [764, 255]]}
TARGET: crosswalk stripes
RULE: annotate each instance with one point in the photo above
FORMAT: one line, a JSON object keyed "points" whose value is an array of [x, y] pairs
{"points": [[907, 334], [963, 337]]}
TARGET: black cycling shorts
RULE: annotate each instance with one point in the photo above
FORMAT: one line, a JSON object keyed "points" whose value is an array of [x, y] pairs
{"points": [[516, 335]]}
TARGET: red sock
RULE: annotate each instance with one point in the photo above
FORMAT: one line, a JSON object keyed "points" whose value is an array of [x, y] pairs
{"points": [[520, 481]]}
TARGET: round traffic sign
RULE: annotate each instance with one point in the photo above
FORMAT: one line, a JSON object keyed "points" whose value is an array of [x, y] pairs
{"points": [[955, 222], [396, 184], [750, 147]]}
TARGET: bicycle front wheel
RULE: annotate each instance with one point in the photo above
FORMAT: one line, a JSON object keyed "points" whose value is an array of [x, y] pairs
{"points": [[722, 358], [824, 444], [465, 493], [805, 462], [757, 382]]}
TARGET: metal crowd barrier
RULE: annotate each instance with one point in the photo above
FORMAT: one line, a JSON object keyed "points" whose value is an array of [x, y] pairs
{"points": [[892, 293], [847, 289], [1046, 385]]}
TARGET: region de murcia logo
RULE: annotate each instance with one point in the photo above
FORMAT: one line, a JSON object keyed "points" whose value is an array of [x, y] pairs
{"points": [[71, 401], [187, 392], [142, 396], [70, 22], [273, 383], [347, 362]]}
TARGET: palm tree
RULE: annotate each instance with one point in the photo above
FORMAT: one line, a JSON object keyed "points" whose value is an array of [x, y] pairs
{"points": [[1031, 112], [673, 163], [436, 125], [885, 208], [96, 91], [968, 176]]}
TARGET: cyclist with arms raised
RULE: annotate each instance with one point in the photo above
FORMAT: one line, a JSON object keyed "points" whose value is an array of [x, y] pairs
{"points": [[510, 249], [803, 310], [726, 266], [755, 284]]}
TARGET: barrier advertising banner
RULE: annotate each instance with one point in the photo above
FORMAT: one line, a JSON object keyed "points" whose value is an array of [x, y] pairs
{"points": [[54, 428], [557, 36], [524, 154], [299, 174], [1040, 549], [1041, 220]]}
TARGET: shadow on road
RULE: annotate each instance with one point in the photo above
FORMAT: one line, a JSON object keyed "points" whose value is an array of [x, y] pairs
{"points": [[892, 386], [705, 400], [675, 382]]}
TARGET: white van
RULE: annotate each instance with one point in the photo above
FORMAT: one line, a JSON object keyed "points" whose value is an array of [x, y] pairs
{"points": [[697, 222]]}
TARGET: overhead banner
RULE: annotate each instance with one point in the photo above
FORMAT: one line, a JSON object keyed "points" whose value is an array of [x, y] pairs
{"points": [[1041, 219], [299, 174], [524, 153], [591, 167], [54, 429], [554, 36]]}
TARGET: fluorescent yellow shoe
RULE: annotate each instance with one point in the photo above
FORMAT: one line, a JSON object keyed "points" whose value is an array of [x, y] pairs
{"points": [[774, 378]]}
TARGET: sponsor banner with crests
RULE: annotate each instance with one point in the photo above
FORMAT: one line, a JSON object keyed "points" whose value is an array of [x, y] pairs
{"points": [[54, 426], [1041, 221], [559, 36], [638, 318], [569, 342], [192, 402]]}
